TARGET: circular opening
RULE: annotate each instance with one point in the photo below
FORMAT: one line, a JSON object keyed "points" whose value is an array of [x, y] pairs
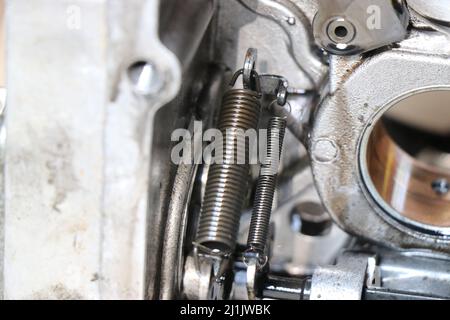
{"points": [[309, 218], [144, 77], [341, 31], [408, 159]]}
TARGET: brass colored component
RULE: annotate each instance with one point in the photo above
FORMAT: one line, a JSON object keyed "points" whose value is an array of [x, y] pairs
{"points": [[406, 184]]}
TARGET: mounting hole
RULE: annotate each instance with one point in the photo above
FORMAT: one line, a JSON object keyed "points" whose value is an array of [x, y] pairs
{"points": [[341, 31], [143, 76], [310, 219]]}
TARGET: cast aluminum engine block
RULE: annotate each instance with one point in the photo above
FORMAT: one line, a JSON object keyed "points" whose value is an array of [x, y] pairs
{"points": [[112, 106]]}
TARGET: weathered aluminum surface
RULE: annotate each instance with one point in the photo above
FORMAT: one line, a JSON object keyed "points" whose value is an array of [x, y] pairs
{"points": [[415, 273], [300, 42], [436, 10], [344, 281], [364, 25], [283, 24], [79, 138], [360, 91], [2, 184]]}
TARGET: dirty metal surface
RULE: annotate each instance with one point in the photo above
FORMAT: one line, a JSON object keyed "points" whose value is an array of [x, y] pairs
{"points": [[78, 141]]}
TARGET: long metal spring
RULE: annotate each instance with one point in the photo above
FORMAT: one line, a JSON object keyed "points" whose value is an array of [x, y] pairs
{"points": [[265, 190], [226, 187]]}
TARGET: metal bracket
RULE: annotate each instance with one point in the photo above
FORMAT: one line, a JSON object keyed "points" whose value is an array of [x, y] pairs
{"points": [[348, 27], [344, 281]]}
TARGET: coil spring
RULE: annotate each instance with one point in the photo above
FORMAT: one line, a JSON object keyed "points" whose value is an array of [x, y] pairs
{"points": [[259, 225], [226, 187]]}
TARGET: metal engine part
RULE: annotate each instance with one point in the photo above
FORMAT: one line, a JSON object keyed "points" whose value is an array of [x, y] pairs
{"points": [[227, 182], [132, 169]]}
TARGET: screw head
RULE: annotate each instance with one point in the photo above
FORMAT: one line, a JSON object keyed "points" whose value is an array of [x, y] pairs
{"points": [[441, 186]]}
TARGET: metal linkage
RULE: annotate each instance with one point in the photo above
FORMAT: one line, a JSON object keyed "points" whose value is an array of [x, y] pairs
{"points": [[356, 276]]}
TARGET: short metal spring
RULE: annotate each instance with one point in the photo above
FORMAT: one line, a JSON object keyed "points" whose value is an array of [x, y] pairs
{"points": [[265, 190], [226, 187]]}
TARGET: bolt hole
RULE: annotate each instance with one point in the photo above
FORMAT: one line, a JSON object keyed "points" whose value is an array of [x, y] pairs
{"points": [[310, 219], [143, 77], [341, 31]]}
